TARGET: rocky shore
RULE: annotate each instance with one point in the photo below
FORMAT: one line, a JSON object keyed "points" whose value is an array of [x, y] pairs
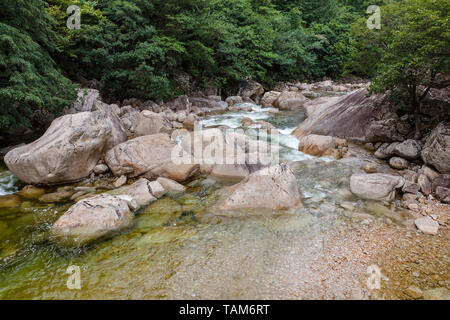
{"points": [[108, 162]]}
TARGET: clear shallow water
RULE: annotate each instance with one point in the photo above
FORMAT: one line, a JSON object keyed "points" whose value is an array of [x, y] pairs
{"points": [[175, 250]]}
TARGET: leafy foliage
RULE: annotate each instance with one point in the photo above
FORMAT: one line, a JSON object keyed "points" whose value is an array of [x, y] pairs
{"points": [[31, 86]]}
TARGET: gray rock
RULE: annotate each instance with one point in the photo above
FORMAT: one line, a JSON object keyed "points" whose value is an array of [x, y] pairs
{"points": [[398, 163], [278, 185], [425, 184], [68, 151], [375, 186], [101, 168], [289, 100], [346, 117], [409, 149], [443, 194], [436, 151], [138, 191], [410, 187], [94, 217], [427, 225], [231, 101]]}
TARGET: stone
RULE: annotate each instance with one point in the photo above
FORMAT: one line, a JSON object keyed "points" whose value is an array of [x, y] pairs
{"points": [[436, 151], [85, 100], [68, 151], [56, 196], [318, 145], [170, 185], [93, 218], [414, 292], [151, 123], [443, 194], [231, 101], [251, 89], [155, 155], [180, 103], [139, 191], [269, 98], [101, 168], [120, 181], [410, 187], [424, 184], [347, 117], [409, 149], [427, 225], [375, 186], [370, 167], [430, 173], [278, 185], [190, 121], [9, 201], [398, 163], [31, 192], [247, 122], [442, 180], [156, 189], [437, 294], [289, 100]]}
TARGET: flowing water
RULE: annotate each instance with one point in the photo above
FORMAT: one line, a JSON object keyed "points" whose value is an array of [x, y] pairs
{"points": [[175, 250]]}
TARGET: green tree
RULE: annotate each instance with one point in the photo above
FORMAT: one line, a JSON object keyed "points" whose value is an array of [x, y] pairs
{"points": [[32, 89], [413, 47]]}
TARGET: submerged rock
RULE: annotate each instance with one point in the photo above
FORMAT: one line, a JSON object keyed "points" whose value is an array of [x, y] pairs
{"points": [[375, 186], [31, 192], [94, 217], [68, 151], [170, 185], [269, 188]]}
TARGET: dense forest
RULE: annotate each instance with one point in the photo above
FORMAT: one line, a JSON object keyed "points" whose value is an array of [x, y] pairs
{"points": [[158, 49]]}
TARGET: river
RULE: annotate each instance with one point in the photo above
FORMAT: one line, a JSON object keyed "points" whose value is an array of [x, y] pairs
{"points": [[323, 250]]}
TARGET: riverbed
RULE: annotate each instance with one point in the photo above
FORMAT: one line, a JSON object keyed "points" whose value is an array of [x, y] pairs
{"points": [[173, 250]]}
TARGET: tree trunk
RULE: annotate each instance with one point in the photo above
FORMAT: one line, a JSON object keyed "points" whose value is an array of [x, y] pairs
{"points": [[415, 104]]}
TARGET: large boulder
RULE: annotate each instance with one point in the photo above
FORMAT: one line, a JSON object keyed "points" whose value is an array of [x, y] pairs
{"points": [[318, 145], [273, 188], [289, 100], [206, 103], [436, 151], [375, 186], [151, 123], [269, 98], [346, 117], [94, 217], [251, 89], [68, 151], [155, 155], [180, 103]]}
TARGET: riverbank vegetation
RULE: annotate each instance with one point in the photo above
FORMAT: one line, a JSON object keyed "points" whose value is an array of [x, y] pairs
{"points": [[162, 48]]}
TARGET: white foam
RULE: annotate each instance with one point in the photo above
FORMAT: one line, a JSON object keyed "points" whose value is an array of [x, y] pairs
{"points": [[7, 183]]}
